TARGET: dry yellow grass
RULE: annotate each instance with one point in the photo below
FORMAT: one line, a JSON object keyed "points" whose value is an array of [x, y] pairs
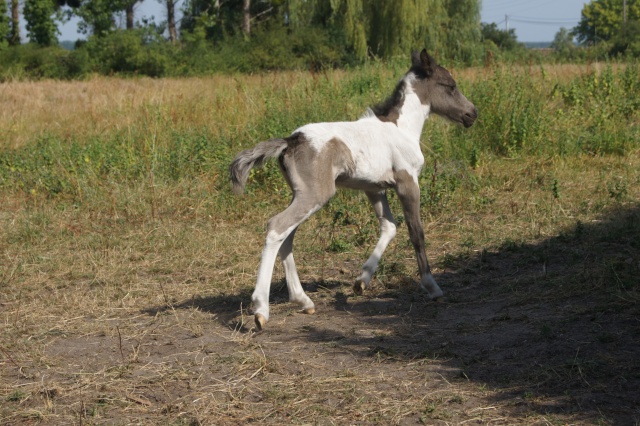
{"points": [[83, 109]]}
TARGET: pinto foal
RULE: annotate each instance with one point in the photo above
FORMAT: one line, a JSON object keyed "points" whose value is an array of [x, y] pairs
{"points": [[379, 151]]}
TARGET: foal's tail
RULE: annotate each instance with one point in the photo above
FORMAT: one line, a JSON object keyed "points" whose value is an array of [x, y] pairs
{"points": [[254, 157]]}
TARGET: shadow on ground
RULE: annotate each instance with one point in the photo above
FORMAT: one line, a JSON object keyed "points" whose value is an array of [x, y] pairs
{"points": [[554, 326], [551, 327]]}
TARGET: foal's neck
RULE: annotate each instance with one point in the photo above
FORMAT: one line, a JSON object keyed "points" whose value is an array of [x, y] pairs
{"points": [[412, 115]]}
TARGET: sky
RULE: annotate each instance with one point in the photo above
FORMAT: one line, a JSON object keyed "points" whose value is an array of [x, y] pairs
{"points": [[533, 20]]}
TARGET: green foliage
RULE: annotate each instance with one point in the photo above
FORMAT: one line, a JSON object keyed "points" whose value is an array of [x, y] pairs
{"points": [[464, 33], [598, 102], [513, 118], [96, 16], [40, 24], [276, 49], [361, 28], [563, 43], [35, 62], [601, 20], [4, 25], [627, 40], [287, 35], [520, 114], [129, 52], [504, 39]]}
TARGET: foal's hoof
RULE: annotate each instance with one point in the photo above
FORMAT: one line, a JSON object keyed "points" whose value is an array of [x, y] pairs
{"points": [[359, 287], [437, 295], [309, 311], [260, 321]]}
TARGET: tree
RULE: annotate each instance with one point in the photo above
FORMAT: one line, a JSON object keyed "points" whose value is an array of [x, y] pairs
{"points": [[394, 27], [627, 41], [563, 42], [246, 17], [129, 12], [210, 20], [397, 27], [4, 24], [171, 19], [14, 36], [96, 16], [40, 21], [463, 32], [383, 28], [601, 20], [504, 39]]}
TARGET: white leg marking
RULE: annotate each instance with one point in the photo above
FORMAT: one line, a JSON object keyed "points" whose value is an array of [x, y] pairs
{"points": [[296, 293], [260, 296], [293, 216], [429, 285]]}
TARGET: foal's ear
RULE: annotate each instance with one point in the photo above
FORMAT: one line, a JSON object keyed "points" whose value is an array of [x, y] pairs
{"points": [[424, 61]]}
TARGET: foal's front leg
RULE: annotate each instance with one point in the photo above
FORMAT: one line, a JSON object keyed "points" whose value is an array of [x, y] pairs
{"points": [[409, 195], [387, 232]]}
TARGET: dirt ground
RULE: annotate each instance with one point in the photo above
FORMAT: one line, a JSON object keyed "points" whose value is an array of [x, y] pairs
{"points": [[547, 333]]}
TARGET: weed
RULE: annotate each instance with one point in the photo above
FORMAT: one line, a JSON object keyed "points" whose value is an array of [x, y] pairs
{"points": [[16, 396], [555, 189]]}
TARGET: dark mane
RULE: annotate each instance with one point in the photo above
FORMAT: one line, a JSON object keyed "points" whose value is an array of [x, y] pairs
{"points": [[388, 110], [420, 72]]}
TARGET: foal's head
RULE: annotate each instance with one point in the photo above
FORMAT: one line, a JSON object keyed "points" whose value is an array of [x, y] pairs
{"points": [[436, 87]]}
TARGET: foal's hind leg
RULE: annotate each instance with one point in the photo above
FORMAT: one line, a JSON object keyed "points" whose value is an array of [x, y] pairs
{"points": [[279, 228], [296, 293], [387, 232]]}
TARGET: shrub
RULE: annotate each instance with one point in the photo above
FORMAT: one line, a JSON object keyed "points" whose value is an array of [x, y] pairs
{"points": [[130, 52], [33, 62]]}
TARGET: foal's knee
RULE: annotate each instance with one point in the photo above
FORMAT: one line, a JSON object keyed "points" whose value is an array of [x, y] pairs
{"points": [[388, 228]]}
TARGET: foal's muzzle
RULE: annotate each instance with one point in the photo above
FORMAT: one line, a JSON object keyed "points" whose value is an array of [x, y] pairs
{"points": [[469, 118]]}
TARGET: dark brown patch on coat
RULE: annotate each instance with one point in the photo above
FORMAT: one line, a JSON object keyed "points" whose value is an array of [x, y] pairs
{"points": [[389, 109], [311, 175], [409, 194]]}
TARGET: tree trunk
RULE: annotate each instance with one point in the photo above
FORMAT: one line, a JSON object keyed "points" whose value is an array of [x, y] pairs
{"points": [[14, 37], [216, 6], [171, 21], [129, 12], [246, 17]]}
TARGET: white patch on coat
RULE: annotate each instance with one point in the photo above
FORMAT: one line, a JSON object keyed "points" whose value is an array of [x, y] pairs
{"points": [[378, 147]]}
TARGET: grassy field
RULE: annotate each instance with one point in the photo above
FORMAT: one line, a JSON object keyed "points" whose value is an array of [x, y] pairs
{"points": [[127, 264]]}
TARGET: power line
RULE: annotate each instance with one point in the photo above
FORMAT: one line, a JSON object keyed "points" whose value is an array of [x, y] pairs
{"points": [[543, 21], [550, 20]]}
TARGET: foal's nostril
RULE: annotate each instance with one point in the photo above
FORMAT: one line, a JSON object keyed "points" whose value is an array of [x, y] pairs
{"points": [[470, 117]]}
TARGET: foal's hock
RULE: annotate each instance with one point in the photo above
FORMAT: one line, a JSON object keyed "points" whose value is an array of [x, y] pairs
{"points": [[379, 151]]}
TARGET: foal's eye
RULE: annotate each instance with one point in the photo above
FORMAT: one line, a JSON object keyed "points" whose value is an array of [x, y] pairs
{"points": [[451, 88]]}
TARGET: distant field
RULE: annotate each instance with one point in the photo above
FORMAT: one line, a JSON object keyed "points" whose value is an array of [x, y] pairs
{"points": [[127, 264]]}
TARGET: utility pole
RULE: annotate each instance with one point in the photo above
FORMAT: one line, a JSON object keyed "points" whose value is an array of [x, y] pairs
{"points": [[506, 22]]}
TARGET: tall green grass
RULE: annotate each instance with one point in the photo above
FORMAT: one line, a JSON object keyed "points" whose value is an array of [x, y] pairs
{"points": [[521, 113]]}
